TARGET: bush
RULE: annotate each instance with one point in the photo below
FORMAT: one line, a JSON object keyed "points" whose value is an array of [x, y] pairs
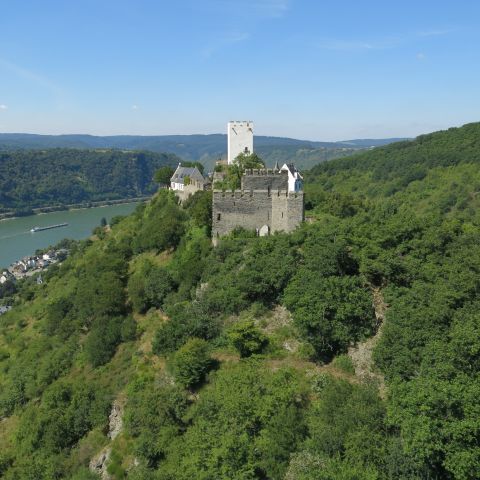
{"points": [[344, 362], [247, 338], [105, 336], [191, 362], [149, 286], [186, 320]]}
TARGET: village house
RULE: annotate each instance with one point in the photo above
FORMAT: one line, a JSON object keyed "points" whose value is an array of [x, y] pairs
{"points": [[5, 277], [186, 181]]}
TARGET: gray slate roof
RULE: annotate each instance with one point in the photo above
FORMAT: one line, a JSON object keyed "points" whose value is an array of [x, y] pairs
{"points": [[182, 172]]}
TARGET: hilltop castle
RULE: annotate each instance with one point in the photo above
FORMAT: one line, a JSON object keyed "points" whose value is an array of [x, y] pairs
{"points": [[269, 200]]}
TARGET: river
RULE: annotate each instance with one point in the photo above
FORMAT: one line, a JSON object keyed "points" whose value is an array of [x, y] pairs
{"points": [[16, 240]]}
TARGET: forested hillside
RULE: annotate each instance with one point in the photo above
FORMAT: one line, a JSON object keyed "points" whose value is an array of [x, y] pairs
{"points": [[39, 178], [204, 148], [242, 362]]}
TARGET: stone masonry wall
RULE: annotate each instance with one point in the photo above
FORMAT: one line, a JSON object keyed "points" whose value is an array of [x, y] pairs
{"points": [[265, 179], [279, 210]]}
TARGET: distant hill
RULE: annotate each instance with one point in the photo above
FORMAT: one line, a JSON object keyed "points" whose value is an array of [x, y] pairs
{"points": [[204, 148], [61, 176]]}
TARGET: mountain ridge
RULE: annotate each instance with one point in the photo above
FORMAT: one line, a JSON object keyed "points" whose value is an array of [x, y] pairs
{"points": [[206, 148]]}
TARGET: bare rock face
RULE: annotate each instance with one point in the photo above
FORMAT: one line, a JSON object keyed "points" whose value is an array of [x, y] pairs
{"points": [[115, 420], [99, 464]]}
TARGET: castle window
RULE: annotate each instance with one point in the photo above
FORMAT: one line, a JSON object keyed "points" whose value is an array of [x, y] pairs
{"points": [[282, 214], [218, 216]]}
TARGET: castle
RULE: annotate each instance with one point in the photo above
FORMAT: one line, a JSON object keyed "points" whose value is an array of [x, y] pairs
{"points": [[239, 139], [269, 200]]}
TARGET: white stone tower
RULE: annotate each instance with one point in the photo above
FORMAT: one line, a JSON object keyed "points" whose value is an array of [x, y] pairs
{"points": [[240, 138]]}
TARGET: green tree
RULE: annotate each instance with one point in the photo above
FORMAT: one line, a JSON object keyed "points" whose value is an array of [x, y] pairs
{"points": [[247, 338], [163, 175], [191, 362]]}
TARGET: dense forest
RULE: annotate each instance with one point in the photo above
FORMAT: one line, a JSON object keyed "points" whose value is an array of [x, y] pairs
{"points": [[253, 360], [40, 178]]}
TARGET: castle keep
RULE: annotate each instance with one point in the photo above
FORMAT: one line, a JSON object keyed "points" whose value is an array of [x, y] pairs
{"points": [[264, 204]]}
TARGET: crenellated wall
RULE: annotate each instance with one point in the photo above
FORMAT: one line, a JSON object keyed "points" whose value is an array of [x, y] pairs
{"points": [[265, 179], [258, 210]]}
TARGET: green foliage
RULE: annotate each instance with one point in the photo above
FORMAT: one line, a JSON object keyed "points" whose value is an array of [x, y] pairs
{"points": [[162, 226], [154, 417], [233, 173], [344, 363], [186, 320], [163, 175], [149, 285], [330, 312], [39, 178], [106, 334], [191, 363], [199, 206], [244, 425], [400, 231], [247, 338]]}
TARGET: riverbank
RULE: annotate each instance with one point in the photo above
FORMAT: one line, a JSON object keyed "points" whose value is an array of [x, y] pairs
{"points": [[74, 206], [17, 241]]}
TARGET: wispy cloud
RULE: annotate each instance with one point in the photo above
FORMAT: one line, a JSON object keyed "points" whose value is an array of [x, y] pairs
{"points": [[350, 45], [31, 76], [223, 42], [3, 107], [436, 32], [135, 107], [357, 45]]}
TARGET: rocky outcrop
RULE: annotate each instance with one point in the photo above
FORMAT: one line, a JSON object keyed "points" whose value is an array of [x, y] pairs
{"points": [[99, 464], [362, 353], [115, 420]]}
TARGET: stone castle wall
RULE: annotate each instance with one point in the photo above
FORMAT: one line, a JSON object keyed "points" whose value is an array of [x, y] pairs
{"points": [[258, 210], [265, 179]]}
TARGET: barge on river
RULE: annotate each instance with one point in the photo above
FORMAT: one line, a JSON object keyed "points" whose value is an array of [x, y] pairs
{"points": [[41, 229]]}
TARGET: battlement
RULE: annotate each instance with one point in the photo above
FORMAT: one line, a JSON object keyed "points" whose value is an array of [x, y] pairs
{"points": [[264, 211], [263, 171], [253, 193]]}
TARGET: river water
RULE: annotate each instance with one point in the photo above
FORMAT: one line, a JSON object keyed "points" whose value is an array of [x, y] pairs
{"points": [[16, 240]]}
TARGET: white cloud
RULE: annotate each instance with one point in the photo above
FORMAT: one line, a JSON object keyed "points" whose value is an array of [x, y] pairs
{"points": [[3, 107], [381, 43], [345, 45], [436, 32]]}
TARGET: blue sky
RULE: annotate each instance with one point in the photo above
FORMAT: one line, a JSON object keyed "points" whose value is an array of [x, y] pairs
{"points": [[315, 69]]}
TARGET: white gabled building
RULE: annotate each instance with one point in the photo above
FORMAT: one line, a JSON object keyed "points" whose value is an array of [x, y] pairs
{"points": [[295, 179], [184, 176]]}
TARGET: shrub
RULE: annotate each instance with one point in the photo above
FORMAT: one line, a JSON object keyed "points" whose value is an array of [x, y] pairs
{"points": [[186, 320], [247, 338], [191, 362]]}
